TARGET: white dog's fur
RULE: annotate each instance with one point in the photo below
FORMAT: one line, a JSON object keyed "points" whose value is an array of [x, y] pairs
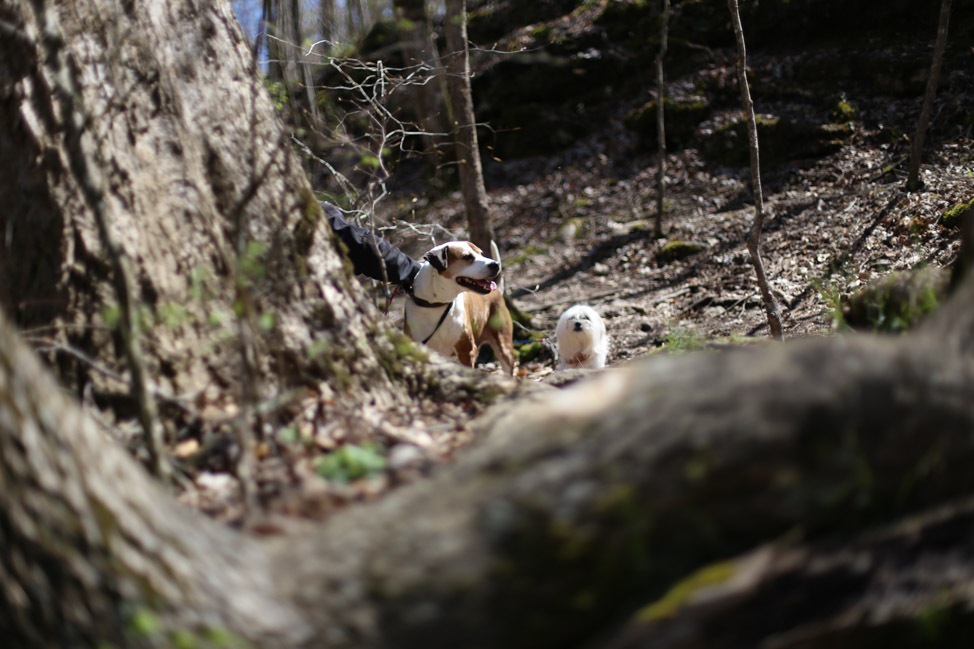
{"points": [[458, 273], [582, 339]]}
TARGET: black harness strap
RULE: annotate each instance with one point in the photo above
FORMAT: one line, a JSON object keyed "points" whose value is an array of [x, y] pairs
{"points": [[420, 302], [449, 305]]}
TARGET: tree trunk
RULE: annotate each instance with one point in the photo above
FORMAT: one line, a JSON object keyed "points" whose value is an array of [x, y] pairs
{"points": [[181, 135], [465, 128], [303, 66], [913, 181], [754, 238], [326, 23], [660, 123], [356, 20], [271, 26], [419, 53]]}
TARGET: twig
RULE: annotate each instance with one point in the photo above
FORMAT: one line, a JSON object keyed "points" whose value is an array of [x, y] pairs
{"points": [[754, 238]]}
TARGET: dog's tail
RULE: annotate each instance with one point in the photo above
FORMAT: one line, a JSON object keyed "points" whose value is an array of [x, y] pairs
{"points": [[496, 256]]}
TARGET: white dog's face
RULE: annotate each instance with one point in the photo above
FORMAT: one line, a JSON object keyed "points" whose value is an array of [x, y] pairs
{"points": [[582, 339], [579, 319], [463, 264]]}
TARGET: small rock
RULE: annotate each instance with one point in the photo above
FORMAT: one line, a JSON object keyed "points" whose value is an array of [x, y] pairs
{"points": [[186, 449], [405, 456]]}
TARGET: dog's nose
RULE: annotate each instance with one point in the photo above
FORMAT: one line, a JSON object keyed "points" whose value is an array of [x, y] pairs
{"points": [[578, 326], [494, 267]]}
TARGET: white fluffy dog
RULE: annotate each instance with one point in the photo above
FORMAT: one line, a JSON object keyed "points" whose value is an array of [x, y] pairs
{"points": [[582, 340]]}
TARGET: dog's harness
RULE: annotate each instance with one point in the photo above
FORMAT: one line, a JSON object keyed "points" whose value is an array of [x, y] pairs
{"points": [[420, 302]]}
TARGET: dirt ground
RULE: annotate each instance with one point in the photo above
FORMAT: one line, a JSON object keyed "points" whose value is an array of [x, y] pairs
{"points": [[578, 229]]}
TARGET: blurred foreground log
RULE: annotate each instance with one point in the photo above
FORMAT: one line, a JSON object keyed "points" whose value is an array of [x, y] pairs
{"points": [[578, 506]]}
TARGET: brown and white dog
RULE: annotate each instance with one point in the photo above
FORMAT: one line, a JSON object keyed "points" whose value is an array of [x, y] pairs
{"points": [[455, 305]]}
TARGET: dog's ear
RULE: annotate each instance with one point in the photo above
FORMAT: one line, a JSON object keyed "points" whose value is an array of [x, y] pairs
{"points": [[437, 258]]}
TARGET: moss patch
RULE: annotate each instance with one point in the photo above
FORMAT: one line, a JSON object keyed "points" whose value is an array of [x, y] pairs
{"points": [[844, 111], [677, 250], [532, 351], [897, 302], [954, 217], [402, 352], [683, 592]]}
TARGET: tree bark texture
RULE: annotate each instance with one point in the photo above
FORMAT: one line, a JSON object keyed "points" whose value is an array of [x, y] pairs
{"points": [[177, 129], [913, 181], [465, 126], [889, 588], [754, 238], [90, 545]]}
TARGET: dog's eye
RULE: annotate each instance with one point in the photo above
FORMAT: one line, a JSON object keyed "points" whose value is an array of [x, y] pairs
{"points": [[468, 257]]}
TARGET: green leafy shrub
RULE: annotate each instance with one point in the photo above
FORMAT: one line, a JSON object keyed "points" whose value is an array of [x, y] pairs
{"points": [[350, 462]]}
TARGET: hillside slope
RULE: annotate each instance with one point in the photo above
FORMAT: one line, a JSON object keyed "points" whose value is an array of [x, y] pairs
{"points": [[571, 168]]}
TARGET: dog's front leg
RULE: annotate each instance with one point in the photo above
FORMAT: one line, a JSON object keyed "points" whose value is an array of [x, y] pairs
{"points": [[466, 350]]}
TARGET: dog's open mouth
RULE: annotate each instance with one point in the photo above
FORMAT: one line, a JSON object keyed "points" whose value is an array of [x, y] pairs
{"points": [[482, 286]]}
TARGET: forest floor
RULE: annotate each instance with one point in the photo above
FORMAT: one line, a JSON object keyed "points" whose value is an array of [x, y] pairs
{"points": [[577, 228]]}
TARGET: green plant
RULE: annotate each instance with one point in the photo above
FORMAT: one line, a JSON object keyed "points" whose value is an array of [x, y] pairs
{"points": [[682, 339], [832, 297], [278, 93], [350, 462]]}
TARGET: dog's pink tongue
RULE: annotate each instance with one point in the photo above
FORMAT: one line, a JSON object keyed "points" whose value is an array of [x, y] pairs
{"points": [[493, 286]]}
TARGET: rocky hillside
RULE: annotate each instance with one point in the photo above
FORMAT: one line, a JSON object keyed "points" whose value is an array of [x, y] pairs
{"points": [[577, 65]]}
